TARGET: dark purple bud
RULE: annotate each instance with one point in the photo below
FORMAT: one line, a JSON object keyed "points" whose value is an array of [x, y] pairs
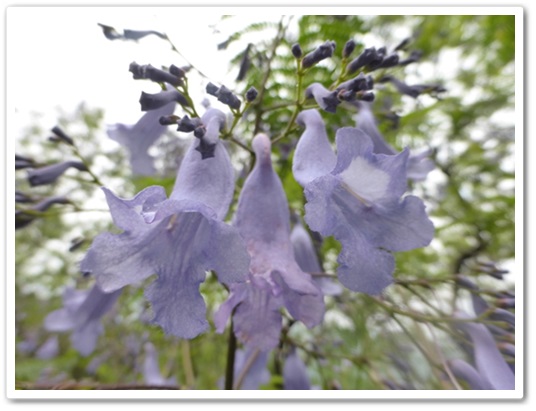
{"points": [[23, 162], [359, 83], [154, 101], [169, 120], [367, 97], [327, 100], [62, 136], [346, 95], [76, 243], [412, 91], [22, 218], [296, 50], [227, 97], [177, 71], [320, 53], [349, 48], [187, 124], [152, 73], [464, 282], [109, 32], [389, 61], [402, 45], [251, 94], [138, 34], [414, 56], [499, 314], [212, 89], [206, 148], [244, 64], [366, 57], [21, 197], [49, 174], [200, 131]]}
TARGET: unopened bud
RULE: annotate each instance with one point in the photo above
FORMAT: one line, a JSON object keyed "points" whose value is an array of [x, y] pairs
{"points": [[251, 94], [62, 136], [296, 50], [169, 120], [320, 53], [348, 48], [153, 101]]}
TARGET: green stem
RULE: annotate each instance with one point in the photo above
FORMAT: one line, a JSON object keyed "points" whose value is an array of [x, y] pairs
{"points": [[187, 363]]}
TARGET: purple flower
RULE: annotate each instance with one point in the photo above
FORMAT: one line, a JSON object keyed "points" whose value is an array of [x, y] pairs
{"points": [[359, 203], [49, 174], [151, 369], [322, 52], [81, 313], [49, 349], [490, 365], [275, 279], [307, 259], [150, 102], [179, 238], [256, 374], [23, 218], [327, 100], [139, 137], [419, 165], [295, 373]]}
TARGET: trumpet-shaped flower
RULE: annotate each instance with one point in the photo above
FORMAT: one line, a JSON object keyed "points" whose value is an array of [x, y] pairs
{"points": [[275, 279], [139, 137], [359, 203], [419, 165], [177, 238], [81, 313], [295, 373]]}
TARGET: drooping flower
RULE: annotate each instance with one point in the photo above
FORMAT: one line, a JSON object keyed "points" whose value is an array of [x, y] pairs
{"points": [[359, 203], [306, 257], [139, 137], [151, 369], [490, 365], [49, 174], [179, 238], [23, 217], [275, 279], [419, 165], [81, 314], [49, 349], [256, 373], [295, 373]]}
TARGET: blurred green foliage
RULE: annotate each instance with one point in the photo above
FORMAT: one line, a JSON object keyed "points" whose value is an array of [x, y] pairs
{"points": [[470, 197]]}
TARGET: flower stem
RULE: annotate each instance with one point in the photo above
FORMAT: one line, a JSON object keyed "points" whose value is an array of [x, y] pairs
{"points": [[187, 364], [231, 350]]}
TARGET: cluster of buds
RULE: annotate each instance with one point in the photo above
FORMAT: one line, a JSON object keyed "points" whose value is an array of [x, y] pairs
{"points": [[224, 95]]}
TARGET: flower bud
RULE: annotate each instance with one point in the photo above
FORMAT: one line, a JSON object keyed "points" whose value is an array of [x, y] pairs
{"points": [[187, 124], [177, 71], [62, 136], [169, 120], [227, 97], [154, 74], [320, 53], [348, 48], [212, 89], [154, 101], [296, 50], [49, 174], [366, 57], [389, 61], [251, 94]]}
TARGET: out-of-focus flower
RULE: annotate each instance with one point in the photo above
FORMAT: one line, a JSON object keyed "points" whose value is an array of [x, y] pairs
{"points": [[49, 174], [275, 279], [112, 34], [81, 314], [359, 203], [257, 372], [179, 238], [25, 217], [155, 101], [139, 137], [151, 369], [49, 349], [146, 71], [224, 95], [490, 365], [419, 165], [415, 90], [295, 373]]}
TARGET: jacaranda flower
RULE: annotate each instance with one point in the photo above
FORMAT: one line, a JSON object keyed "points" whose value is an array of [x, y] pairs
{"points": [[151, 369], [327, 100], [490, 365], [256, 373], [275, 279], [139, 137], [295, 373], [419, 165], [179, 238], [81, 313], [359, 203]]}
